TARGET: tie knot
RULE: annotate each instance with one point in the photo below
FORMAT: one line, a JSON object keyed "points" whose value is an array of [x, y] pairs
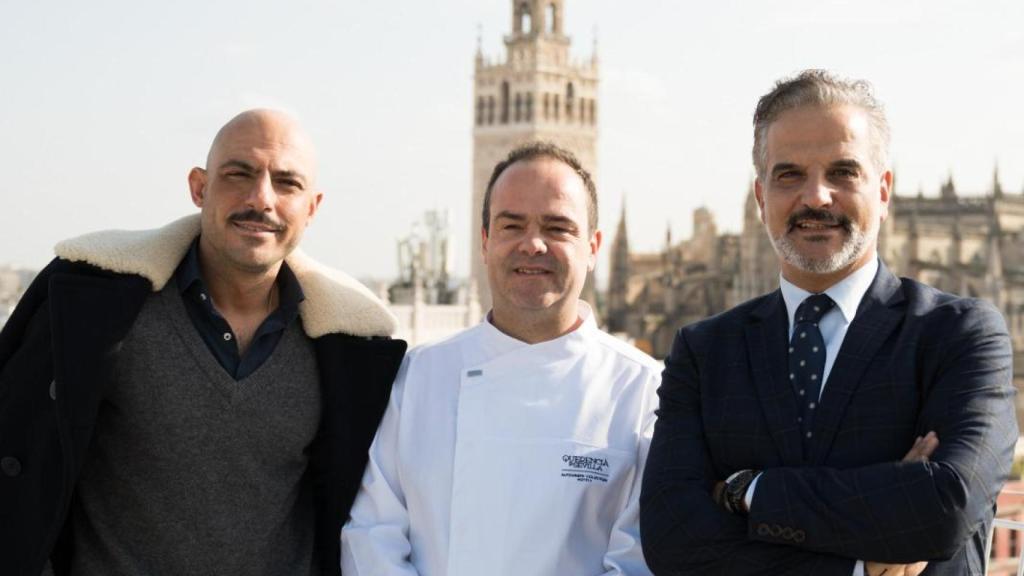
{"points": [[813, 308]]}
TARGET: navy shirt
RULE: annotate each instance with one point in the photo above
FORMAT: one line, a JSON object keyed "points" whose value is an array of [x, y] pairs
{"points": [[216, 331]]}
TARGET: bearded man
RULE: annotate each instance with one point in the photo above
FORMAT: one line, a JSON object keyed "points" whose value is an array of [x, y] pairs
{"points": [[850, 422]]}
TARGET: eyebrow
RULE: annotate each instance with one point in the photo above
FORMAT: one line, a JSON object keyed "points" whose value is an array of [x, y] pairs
{"points": [[846, 163], [843, 163], [559, 220], [783, 166], [509, 216], [547, 219], [242, 165], [237, 164]]}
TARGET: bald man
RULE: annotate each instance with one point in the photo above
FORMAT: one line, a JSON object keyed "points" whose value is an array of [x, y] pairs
{"points": [[196, 399]]}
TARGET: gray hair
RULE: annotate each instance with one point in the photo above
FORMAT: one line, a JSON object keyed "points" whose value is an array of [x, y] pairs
{"points": [[819, 88]]}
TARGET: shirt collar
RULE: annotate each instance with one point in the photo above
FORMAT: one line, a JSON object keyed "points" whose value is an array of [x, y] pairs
{"points": [[289, 290], [497, 342], [187, 273], [847, 293]]}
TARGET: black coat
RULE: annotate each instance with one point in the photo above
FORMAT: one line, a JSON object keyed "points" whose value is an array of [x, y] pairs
{"points": [[56, 353]]}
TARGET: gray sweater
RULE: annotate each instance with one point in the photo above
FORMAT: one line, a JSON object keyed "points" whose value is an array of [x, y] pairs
{"points": [[191, 472]]}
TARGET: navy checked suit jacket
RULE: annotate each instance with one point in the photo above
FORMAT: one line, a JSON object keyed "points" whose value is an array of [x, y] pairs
{"points": [[914, 359]]}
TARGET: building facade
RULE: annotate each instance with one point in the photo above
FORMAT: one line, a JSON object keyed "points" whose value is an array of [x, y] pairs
{"points": [[536, 92], [429, 304], [971, 245], [652, 294]]}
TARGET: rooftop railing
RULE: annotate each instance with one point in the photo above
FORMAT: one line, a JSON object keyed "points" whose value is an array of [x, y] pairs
{"points": [[1010, 525], [1012, 564]]}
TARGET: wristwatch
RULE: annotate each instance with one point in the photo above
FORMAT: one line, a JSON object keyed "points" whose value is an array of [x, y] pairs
{"points": [[736, 491]]}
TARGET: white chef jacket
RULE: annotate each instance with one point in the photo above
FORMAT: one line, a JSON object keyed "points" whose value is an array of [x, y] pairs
{"points": [[497, 457]]}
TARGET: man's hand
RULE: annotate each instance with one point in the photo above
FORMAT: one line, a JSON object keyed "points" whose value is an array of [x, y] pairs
{"points": [[879, 569], [923, 448], [718, 491]]}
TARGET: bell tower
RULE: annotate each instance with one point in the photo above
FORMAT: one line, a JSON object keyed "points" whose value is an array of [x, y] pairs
{"points": [[535, 92]]}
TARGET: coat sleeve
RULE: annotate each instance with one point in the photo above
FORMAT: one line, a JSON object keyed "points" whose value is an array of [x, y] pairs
{"points": [[376, 538], [905, 512], [625, 554], [682, 529]]}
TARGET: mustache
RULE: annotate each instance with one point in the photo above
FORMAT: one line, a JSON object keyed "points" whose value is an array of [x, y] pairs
{"points": [[821, 216], [256, 217]]}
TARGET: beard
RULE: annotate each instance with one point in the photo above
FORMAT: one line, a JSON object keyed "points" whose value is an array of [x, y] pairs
{"points": [[855, 243]]}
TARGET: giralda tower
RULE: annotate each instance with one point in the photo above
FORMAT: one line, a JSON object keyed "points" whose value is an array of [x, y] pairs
{"points": [[535, 93]]}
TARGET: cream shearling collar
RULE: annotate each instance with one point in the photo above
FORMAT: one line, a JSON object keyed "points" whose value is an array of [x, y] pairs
{"points": [[334, 302]]}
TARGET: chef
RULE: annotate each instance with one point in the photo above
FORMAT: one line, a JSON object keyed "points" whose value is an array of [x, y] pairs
{"points": [[516, 446]]}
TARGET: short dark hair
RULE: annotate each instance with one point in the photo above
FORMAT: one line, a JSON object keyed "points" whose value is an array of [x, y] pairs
{"points": [[540, 150]]}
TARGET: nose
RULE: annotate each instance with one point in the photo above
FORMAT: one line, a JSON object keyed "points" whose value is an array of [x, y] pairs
{"points": [[532, 244], [817, 192], [261, 196]]}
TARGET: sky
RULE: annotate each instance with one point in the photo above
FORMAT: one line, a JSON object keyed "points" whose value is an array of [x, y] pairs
{"points": [[106, 105]]}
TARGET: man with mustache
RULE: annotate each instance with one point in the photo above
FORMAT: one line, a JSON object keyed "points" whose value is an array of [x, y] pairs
{"points": [[197, 399], [851, 422], [516, 446]]}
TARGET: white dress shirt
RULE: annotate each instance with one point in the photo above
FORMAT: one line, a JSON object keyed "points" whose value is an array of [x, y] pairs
{"points": [[847, 294]]}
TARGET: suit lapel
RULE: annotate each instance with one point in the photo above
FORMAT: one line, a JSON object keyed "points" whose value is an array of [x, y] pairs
{"points": [[767, 343], [877, 316]]}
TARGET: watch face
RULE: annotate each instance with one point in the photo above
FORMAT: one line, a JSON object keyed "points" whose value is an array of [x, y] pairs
{"points": [[736, 490]]}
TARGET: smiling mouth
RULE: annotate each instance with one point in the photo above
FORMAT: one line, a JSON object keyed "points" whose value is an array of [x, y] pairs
{"points": [[256, 227], [815, 226], [531, 271]]}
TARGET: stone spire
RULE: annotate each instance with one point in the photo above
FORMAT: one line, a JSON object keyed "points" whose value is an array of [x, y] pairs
{"points": [[997, 187], [948, 191], [618, 279]]}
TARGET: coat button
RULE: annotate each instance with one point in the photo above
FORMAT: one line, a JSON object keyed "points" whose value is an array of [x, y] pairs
{"points": [[787, 533], [53, 389], [10, 466], [763, 530], [799, 536], [776, 530]]}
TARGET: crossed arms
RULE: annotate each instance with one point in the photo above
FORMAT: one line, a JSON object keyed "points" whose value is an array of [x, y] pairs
{"points": [[890, 511]]}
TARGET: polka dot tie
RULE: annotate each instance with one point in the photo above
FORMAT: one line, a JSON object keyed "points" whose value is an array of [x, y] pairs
{"points": [[807, 362]]}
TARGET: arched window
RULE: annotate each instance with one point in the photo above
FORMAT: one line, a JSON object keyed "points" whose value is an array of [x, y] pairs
{"points": [[480, 110], [504, 102], [547, 105], [570, 95], [490, 109], [552, 14], [558, 104], [519, 107], [593, 112], [525, 18], [529, 107]]}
